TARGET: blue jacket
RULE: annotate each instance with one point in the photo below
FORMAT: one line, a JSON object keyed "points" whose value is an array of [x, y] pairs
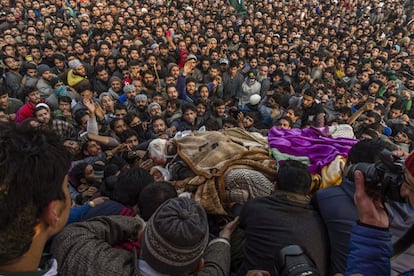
{"points": [[370, 251]]}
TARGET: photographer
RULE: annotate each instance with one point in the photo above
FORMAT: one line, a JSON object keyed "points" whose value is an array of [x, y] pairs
{"points": [[370, 245]]}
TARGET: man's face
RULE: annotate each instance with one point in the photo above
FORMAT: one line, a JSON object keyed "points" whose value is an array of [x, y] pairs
{"points": [[64, 106], [221, 110], [73, 147], [171, 109], [108, 104], [43, 116], [86, 94], [394, 113], [116, 86], [158, 126], [81, 71], [191, 88], [47, 75], [103, 75], [93, 149], [120, 113], [4, 101], [131, 95], [132, 141], [12, 64], [307, 101], [190, 116], [34, 97], [142, 105]]}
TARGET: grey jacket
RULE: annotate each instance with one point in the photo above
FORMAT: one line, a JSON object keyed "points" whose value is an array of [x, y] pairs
{"points": [[86, 248]]}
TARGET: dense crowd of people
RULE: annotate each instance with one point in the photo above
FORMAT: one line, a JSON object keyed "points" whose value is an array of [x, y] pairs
{"points": [[169, 110]]}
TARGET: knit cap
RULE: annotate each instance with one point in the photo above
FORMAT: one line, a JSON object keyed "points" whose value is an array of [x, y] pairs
{"points": [[42, 68], [140, 97], [114, 78], [175, 237], [129, 88], [75, 64], [151, 105]]}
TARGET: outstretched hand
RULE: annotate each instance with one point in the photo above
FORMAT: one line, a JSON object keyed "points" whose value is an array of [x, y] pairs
{"points": [[371, 210]]}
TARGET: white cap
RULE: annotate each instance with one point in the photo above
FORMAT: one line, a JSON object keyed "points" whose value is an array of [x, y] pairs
{"points": [[254, 99]]}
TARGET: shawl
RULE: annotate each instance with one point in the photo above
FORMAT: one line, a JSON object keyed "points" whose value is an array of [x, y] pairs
{"points": [[313, 143], [211, 155]]}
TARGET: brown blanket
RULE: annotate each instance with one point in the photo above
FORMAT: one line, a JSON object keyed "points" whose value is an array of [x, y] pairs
{"points": [[211, 155]]}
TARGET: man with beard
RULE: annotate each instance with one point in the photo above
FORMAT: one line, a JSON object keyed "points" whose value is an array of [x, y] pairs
{"points": [[263, 78], [43, 84], [173, 111], [59, 64], [130, 93], [115, 88], [13, 80], [76, 74], [61, 128], [101, 81], [141, 102]]}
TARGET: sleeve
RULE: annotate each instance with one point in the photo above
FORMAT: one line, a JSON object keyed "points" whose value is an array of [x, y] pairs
{"points": [[181, 87], [217, 258], [86, 248], [370, 251]]}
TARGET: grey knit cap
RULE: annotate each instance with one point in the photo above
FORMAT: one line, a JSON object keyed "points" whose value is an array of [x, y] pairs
{"points": [[175, 237], [151, 105], [129, 88], [140, 97], [75, 64]]}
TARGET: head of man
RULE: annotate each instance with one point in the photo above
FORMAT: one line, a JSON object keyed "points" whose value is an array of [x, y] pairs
{"points": [[188, 241], [77, 67], [293, 176], [141, 101], [42, 113], [158, 125], [129, 137], [4, 98], [107, 102], [189, 113], [34, 196], [32, 95]]}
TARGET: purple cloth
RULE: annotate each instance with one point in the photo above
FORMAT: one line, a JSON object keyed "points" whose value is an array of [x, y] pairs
{"points": [[313, 143]]}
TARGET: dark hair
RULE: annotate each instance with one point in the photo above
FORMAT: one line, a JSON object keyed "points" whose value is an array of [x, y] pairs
{"points": [[130, 185], [188, 106], [124, 135], [65, 99], [152, 196], [79, 115], [120, 106], [33, 166], [367, 151], [293, 176]]}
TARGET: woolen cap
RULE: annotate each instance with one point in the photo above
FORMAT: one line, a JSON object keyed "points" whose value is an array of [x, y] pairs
{"points": [[175, 237]]}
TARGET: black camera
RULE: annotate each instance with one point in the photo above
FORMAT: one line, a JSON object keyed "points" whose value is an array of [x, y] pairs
{"points": [[384, 176], [293, 261]]}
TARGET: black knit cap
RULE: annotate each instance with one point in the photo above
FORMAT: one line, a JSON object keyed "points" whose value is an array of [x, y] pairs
{"points": [[175, 237]]}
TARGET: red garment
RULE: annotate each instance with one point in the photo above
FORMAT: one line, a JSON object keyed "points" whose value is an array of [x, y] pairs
{"points": [[24, 112]]}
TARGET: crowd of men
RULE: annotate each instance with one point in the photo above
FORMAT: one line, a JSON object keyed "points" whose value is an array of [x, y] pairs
{"points": [[113, 81]]}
